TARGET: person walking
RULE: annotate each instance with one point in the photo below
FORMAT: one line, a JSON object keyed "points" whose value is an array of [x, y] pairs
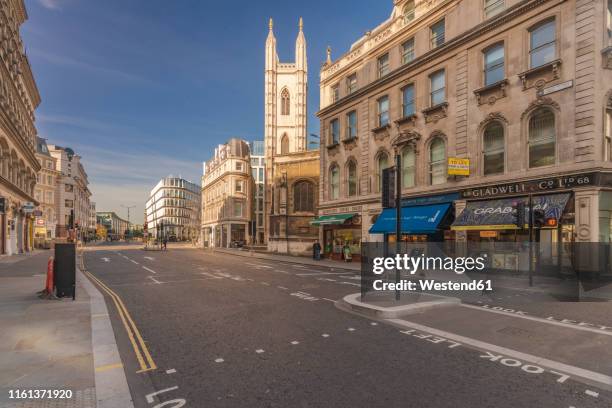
{"points": [[316, 251]]}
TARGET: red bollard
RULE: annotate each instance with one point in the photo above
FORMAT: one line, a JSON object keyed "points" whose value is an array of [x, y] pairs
{"points": [[49, 285]]}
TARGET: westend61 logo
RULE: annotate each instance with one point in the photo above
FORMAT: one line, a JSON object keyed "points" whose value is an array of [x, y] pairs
{"points": [[414, 264]]}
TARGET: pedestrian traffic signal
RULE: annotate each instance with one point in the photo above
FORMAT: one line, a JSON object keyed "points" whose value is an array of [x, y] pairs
{"points": [[539, 218], [519, 214]]}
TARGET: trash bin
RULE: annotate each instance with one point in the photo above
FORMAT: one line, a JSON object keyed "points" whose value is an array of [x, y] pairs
{"points": [[64, 275]]}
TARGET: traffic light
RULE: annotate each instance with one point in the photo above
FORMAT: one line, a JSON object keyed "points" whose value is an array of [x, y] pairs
{"points": [[519, 214], [539, 218]]}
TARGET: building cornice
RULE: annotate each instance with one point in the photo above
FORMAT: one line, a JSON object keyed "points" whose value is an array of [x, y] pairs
{"points": [[475, 32]]}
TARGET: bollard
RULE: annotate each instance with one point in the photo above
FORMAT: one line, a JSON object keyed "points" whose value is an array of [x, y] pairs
{"points": [[49, 285]]}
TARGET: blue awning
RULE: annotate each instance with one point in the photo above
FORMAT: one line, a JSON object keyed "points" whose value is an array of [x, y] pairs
{"points": [[423, 219]]}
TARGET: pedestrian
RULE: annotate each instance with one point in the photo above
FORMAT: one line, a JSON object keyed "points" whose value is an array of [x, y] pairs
{"points": [[346, 252], [316, 251], [165, 242]]}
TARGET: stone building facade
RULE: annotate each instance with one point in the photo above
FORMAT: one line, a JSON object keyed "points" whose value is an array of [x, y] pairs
{"points": [[19, 98], [291, 169], [227, 196], [72, 195], [516, 94], [45, 193]]}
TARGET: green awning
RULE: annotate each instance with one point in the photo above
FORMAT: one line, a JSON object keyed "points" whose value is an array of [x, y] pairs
{"points": [[336, 219]]}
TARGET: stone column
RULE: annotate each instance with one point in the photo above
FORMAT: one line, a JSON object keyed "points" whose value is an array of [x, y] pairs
{"points": [[460, 236], [587, 214]]}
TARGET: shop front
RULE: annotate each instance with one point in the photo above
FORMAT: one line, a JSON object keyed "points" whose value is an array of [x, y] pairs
{"points": [[341, 233]]}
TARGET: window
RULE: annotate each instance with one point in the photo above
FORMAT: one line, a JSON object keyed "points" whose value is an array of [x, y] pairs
{"points": [[239, 186], [437, 34], [541, 138], [493, 149], [334, 182], [238, 166], [334, 132], [335, 95], [383, 111], [493, 7], [438, 88], [408, 12], [303, 196], [608, 141], [382, 163], [351, 170], [50, 180], [50, 196], [68, 203], [285, 102], [238, 208], [383, 65], [408, 101], [408, 51], [437, 162], [261, 175], [408, 167], [285, 144], [69, 188], [351, 83], [543, 44], [351, 122], [494, 64]]}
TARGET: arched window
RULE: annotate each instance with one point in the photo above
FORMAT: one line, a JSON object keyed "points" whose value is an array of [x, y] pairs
{"points": [[285, 144], [382, 162], [542, 137], [285, 102], [493, 149], [408, 167], [408, 12], [437, 161], [303, 196], [351, 179], [334, 182]]}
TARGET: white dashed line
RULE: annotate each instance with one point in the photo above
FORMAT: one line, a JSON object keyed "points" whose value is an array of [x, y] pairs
{"points": [[350, 329], [147, 269], [325, 335], [295, 343], [373, 324], [171, 371], [259, 351], [329, 300], [134, 262], [592, 393], [219, 360], [265, 283], [282, 287]]}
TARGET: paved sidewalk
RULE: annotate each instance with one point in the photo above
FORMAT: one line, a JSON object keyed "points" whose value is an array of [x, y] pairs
{"points": [[47, 344], [353, 266]]}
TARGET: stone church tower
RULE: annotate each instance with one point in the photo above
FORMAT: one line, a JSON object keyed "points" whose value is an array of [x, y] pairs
{"points": [[286, 89]]}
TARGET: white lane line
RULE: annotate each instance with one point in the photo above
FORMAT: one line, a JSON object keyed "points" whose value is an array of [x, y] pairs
{"points": [[265, 283], [219, 360], [350, 329], [149, 258], [541, 320], [149, 269], [282, 287], [325, 335], [150, 397], [329, 300], [105, 259], [134, 262], [171, 371], [322, 273], [592, 393], [544, 362], [259, 351], [154, 280], [295, 342], [373, 324]]}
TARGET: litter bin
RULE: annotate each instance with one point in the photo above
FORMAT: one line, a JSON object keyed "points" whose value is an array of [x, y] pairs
{"points": [[64, 275]]}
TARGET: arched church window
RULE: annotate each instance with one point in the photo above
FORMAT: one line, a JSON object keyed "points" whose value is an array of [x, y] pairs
{"points": [[285, 102], [285, 144]]}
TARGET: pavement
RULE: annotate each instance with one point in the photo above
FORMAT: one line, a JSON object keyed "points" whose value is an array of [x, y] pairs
{"points": [[61, 346], [213, 329]]}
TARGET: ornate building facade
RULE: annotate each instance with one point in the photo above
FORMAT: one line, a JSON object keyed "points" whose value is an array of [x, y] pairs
{"points": [[19, 98], [485, 102], [45, 193], [291, 169]]}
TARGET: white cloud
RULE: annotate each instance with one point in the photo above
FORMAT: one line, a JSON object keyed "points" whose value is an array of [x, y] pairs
{"points": [[50, 4]]}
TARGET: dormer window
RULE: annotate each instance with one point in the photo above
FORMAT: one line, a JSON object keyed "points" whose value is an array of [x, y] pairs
{"points": [[408, 12]]}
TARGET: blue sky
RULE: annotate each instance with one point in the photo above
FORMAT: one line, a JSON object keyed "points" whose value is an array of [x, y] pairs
{"points": [[144, 89]]}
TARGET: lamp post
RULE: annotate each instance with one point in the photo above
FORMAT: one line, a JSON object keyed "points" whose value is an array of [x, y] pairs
{"points": [[129, 207]]}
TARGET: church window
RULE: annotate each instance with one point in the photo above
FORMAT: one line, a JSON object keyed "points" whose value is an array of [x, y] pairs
{"points": [[285, 102], [285, 144]]}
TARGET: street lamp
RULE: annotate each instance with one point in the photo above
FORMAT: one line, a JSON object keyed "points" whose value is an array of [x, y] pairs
{"points": [[129, 207]]}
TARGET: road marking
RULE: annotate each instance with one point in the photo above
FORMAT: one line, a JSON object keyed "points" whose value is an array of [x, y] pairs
{"points": [[549, 320], [108, 367], [105, 259], [150, 397], [351, 329], [373, 324], [592, 393], [430, 338], [219, 360], [149, 258], [305, 296], [259, 351], [329, 300], [295, 343], [171, 371], [134, 262], [321, 273], [550, 364], [154, 280], [148, 269], [133, 333], [325, 335], [265, 283], [282, 287]]}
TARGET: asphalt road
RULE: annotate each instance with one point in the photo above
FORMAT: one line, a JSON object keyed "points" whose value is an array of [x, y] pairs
{"points": [[230, 331]]}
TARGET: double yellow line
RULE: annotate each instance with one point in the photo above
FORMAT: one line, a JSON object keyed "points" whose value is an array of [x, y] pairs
{"points": [[140, 348]]}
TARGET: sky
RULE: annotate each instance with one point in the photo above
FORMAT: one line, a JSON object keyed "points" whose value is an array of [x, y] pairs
{"points": [[143, 89]]}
